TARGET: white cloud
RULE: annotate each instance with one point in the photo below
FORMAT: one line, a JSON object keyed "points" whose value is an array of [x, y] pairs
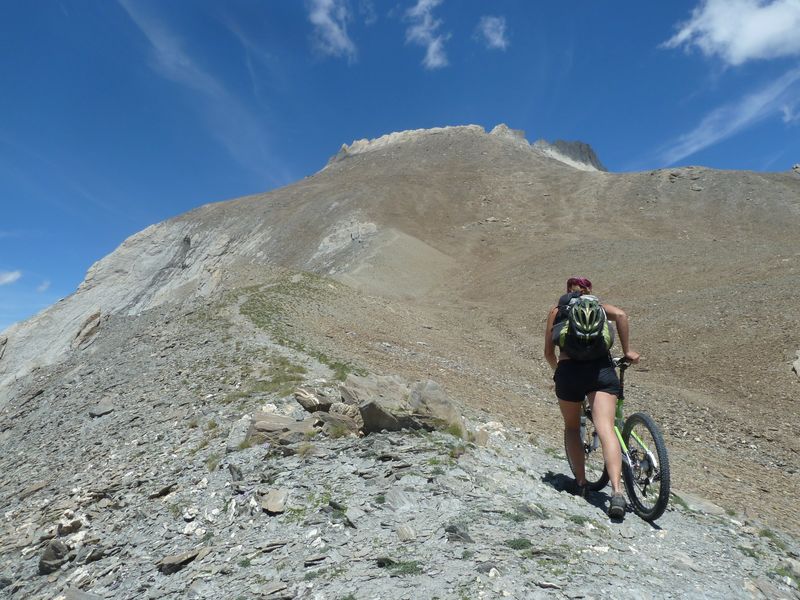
{"points": [[791, 114], [171, 60], [423, 31], [780, 96], [329, 18], [7, 277], [43, 287], [738, 31], [492, 31]]}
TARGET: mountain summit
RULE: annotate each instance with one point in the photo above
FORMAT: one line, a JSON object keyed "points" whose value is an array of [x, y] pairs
{"points": [[575, 154]]}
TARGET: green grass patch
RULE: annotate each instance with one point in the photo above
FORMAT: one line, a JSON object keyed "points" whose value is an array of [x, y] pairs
{"points": [[747, 551], [457, 451], [296, 514], [338, 431], [773, 537], [455, 430], [515, 517], [403, 567], [784, 571], [579, 519], [212, 462], [278, 375], [680, 501], [305, 450], [555, 453], [518, 543], [273, 307]]}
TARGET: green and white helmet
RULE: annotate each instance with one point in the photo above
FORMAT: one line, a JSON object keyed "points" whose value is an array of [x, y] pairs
{"points": [[587, 318]]}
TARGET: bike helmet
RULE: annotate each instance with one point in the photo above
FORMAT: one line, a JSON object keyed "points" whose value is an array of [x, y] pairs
{"points": [[586, 317]]}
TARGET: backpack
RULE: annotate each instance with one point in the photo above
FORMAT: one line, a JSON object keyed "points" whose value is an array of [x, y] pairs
{"points": [[568, 334], [563, 304]]}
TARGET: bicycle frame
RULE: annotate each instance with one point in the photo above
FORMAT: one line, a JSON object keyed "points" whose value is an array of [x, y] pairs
{"points": [[619, 421]]}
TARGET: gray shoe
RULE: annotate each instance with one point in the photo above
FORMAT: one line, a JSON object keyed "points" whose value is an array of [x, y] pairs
{"points": [[617, 508]]}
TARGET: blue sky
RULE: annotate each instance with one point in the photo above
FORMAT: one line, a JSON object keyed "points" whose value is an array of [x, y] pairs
{"points": [[117, 114]]}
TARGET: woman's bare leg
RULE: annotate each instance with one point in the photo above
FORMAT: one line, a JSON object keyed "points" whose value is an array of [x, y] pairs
{"points": [[604, 408], [571, 411]]}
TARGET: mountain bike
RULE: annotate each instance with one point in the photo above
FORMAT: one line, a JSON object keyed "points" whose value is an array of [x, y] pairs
{"points": [[645, 467]]}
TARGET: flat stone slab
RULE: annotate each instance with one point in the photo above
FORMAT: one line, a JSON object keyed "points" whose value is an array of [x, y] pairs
{"points": [[269, 423], [275, 501], [174, 563], [101, 409], [701, 505]]}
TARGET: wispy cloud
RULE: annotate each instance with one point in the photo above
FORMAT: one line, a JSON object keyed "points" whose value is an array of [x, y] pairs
{"points": [[790, 113], [738, 31], [424, 32], [781, 96], [8, 277], [492, 32], [367, 10], [43, 287], [257, 60], [329, 18], [171, 60], [229, 120]]}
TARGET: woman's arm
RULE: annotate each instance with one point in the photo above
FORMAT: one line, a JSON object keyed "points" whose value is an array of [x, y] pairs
{"points": [[549, 348], [621, 319]]}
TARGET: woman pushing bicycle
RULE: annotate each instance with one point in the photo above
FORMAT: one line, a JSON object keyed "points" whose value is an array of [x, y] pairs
{"points": [[579, 327]]}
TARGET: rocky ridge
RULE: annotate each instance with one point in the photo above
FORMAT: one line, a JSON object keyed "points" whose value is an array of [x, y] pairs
{"points": [[575, 154], [428, 259]]}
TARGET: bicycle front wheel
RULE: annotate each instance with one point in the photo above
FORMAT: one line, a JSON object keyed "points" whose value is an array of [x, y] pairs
{"points": [[647, 478], [594, 466]]}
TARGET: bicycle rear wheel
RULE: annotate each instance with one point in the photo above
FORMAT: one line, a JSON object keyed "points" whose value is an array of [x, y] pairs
{"points": [[596, 475], [647, 478]]}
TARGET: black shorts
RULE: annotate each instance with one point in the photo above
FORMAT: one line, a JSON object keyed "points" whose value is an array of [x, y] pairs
{"points": [[576, 378]]}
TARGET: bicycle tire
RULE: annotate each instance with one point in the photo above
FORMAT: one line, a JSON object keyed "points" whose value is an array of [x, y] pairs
{"points": [[642, 476], [594, 465]]}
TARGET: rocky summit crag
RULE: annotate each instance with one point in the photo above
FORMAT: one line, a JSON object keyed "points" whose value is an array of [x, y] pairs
{"points": [[335, 390]]}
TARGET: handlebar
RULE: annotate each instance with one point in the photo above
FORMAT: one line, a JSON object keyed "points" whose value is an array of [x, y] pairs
{"points": [[622, 362]]}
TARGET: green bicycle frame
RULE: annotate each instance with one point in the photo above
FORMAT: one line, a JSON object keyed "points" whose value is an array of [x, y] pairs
{"points": [[619, 422]]}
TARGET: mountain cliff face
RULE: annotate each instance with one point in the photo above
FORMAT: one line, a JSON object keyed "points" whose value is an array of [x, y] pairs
{"points": [[432, 254]]}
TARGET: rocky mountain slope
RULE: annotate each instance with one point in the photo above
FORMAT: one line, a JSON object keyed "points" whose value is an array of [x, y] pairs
{"points": [[432, 254]]}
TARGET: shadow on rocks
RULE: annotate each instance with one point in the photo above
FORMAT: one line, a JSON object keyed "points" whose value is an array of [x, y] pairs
{"points": [[599, 499]]}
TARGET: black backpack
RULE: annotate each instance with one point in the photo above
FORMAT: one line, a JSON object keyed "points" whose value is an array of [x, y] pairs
{"points": [[567, 340]]}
